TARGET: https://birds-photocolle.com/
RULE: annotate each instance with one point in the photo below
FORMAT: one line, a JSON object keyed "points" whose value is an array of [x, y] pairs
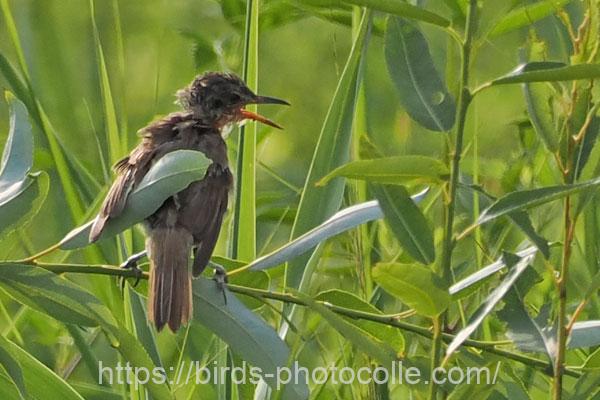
{"points": [[189, 221]]}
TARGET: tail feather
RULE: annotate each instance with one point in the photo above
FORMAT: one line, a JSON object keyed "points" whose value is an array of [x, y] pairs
{"points": [[170, 291]]}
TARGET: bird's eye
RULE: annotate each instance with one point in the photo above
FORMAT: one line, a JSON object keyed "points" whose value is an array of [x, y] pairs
{"points": [[235, 98], [217, 103]]}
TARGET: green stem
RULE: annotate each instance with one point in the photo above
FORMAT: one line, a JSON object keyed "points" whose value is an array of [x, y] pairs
{"points": [[389, 320], [464, 99], [244, 218], [569, 226]]}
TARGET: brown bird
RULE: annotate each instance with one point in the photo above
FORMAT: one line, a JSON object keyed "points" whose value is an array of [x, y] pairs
{"points": [[191, 219]]}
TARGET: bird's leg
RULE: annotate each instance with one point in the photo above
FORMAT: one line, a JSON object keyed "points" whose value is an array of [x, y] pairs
{"points": [[131, 263], [220, 277]]}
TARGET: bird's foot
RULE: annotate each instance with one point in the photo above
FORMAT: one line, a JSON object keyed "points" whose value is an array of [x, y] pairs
{"points": [[220, 277], [132, 264]]}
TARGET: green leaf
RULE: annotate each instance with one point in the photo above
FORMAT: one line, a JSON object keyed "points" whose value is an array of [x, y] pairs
{"points": [[420, 88], [17, 157], [415, 285], [385, 334], [12, 367], [142, 329], [521, 219], [342, 221], [468, 285], [67, 302], [252, 279], [402, 9], [593, 361], [243, 239], [24, 201], [544, 71], [380, 351], [523, 330], [110, 116], [587, 386], [517, 267], [16, 83], [247, 334], [527, 15], [540, 112], [49, 293], [332, 150], [41, 382], [526, 199], [169, 175], [402, 170], [131, 349], [406, 221], [584, 334]]}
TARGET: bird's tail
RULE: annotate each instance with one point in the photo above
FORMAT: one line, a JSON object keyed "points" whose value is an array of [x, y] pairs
{"points": [[170, 291]]}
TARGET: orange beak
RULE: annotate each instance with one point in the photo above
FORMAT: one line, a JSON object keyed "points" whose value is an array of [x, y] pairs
{"points": [[257, 117]]}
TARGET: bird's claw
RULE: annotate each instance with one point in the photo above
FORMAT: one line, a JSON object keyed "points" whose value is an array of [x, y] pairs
{"points": [[131, 264], [220, 277]]}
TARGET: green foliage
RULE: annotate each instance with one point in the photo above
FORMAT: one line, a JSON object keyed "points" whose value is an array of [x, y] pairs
{"points": [[401, 170], [493, 260], [406, 221], [414, 285], [421, 90]]}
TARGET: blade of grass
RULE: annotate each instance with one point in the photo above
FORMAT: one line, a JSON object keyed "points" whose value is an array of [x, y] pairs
{"points": [[244, 219], [110, 115]]}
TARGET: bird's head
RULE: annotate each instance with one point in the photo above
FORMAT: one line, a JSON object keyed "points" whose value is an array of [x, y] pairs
{"points": [[219, 99]]}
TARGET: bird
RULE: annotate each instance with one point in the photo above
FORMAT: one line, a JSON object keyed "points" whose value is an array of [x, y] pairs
{"points": [[189, 221]]}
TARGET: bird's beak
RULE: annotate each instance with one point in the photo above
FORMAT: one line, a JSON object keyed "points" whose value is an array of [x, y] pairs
{"points": [[257, 117]]}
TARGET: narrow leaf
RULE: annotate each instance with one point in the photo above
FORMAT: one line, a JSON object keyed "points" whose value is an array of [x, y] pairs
{"points": [[171, 174], [523, 330], [244, 217], [468, 285], [49, 293], [542, 71], [522, 220], [585, 334], [401, 170], [526, 199], [12, 367], [385, 334], [527, 15], [420, 88], [342, 221], [41, 382], [402, 9], [406, 221], [488, 305], [540, 113], [247, 334], [22, 201], [17, 157], [415, 285], [67, 302], [110, 116], [143, 331], [381, 351]]}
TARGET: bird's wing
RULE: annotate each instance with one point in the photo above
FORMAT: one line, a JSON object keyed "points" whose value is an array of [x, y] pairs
{"points": [[157, 137], [203, 205]]}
